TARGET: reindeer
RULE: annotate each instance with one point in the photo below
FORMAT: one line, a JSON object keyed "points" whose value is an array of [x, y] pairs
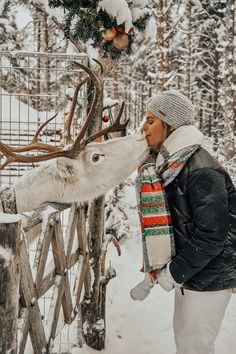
{"points": [[80, 172]]}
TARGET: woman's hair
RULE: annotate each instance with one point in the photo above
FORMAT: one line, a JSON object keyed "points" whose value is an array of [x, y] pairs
{"points": [[168, 130]]}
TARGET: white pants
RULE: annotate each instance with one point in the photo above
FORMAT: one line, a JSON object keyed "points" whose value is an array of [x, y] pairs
{"points": [[197, 320]]}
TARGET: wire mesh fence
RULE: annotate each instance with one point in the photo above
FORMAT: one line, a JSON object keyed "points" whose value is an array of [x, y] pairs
{"points": [[33, 87]]}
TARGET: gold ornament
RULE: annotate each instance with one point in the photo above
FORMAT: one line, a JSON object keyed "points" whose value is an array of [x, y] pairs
{"points": [[121, 41], [109, 34]]}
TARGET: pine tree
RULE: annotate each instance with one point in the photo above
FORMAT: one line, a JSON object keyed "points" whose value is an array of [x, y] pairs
{"points": [[208, 62], [162, 14], [230, 94], [198, 61], [118, 211]]}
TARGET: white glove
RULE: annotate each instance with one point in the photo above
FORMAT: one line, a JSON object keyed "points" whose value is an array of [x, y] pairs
{"points": [[142, 289], [165, 279]]}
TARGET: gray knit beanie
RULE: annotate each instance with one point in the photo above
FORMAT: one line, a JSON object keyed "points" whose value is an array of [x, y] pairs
{"points": [[172, 107]]}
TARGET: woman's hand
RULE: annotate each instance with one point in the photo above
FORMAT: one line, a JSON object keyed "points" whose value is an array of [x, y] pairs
{"points": [[142, 289], [165, 279]]}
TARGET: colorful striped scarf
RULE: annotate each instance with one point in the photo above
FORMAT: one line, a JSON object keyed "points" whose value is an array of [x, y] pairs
{"points": [[157, 229]]}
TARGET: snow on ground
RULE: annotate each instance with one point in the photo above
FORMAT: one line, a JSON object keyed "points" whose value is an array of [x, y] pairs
{"points": [[146, 327]]}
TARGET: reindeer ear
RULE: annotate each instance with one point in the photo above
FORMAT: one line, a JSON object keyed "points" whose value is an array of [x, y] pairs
{"points": [[67, 169]]}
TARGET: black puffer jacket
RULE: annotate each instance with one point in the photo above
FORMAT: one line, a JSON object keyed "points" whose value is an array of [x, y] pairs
{"points": [[202, 202]]}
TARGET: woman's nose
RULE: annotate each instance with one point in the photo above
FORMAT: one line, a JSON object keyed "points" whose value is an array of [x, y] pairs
{"points": [[145, 126]]}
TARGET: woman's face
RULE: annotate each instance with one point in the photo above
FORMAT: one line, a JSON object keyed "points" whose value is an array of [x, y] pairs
{"points": [[155, 130]]}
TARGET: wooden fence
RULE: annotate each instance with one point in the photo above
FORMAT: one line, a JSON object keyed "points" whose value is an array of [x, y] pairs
{"points": [[33, 278]]}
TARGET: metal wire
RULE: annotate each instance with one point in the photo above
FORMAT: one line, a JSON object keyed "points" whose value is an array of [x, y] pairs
{"points": [[33, 86]]}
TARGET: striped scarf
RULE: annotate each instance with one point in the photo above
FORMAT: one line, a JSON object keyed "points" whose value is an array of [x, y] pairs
{"points": [[156, 225]]}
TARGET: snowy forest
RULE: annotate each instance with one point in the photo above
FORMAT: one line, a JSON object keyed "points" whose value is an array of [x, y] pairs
{"points": [[188, 45], [144, 46]]}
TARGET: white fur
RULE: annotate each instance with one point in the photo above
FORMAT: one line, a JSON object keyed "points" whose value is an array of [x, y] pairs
{"points": [[66, 180]]}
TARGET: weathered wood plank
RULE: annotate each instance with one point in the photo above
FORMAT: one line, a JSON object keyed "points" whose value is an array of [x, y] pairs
{"points": [[23, 329], [83, 246], [74, 258], [58, 248], [54, 310], [60, 264], [42, 250], [87, 278], [80, 281], [70, 231], [47, 283], [31, 323], [49, 279], [29, 299], [81, 230], [34, 217], [10, 231], [32, 233], [67, 301]]}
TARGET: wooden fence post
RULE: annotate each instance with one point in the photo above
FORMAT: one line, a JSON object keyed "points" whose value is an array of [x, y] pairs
{"points": [[9, 281]]}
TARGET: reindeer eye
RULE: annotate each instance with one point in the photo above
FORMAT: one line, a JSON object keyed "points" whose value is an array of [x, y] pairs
{"points": [[95, 157]]}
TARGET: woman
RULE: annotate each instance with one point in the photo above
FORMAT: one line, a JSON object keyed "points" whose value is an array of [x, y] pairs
{"points": [[188, 216]]}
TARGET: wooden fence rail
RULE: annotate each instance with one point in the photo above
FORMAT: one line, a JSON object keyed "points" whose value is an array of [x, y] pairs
{"points": [[23, 281]]}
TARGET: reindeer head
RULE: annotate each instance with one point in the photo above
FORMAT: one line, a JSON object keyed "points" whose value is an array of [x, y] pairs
{"points": [[85, 169], [100, 167]]}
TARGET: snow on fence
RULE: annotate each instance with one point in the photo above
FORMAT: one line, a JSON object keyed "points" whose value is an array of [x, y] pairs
{"points": [[53, 251]]}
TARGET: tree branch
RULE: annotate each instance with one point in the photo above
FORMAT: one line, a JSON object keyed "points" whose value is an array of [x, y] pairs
{"points": [[78, 44]]}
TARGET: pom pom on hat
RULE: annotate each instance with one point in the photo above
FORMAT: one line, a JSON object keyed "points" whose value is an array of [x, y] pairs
{"points": [[172, 107]]}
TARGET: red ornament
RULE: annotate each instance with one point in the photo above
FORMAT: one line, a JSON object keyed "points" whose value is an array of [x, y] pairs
{"points": [[120, 29], [105, 118]]}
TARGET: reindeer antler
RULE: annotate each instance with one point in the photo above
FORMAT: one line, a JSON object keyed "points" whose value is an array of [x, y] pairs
{"points": [[116, 127], [12, 153], [68, 122], [35, 144]]}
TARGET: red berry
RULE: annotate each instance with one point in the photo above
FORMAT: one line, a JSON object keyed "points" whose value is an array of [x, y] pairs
{"points": [[105, 118]]}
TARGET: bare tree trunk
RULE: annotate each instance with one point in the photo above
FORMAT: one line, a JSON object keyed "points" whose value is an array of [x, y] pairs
{"points": [[162, 45], [115, 92], [93, 308], [215, 127], [9, 283], [116, 84], [230, 100], [38, 40], [189, 49], [47, 61]]}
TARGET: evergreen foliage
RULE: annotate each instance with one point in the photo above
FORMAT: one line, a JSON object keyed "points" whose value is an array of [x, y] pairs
{"points": [[84, 21]]}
